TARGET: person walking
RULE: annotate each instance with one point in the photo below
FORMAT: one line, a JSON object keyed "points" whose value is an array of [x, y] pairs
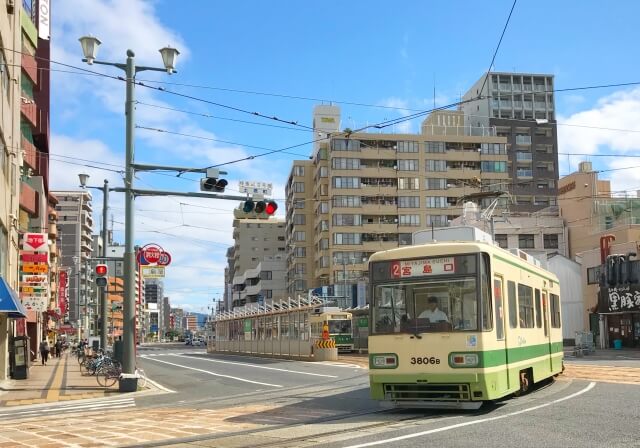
{"points": [[58, 348], [44, 350]]}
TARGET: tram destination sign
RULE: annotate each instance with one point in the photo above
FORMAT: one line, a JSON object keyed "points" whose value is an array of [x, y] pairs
{"points": [[423, 267]]}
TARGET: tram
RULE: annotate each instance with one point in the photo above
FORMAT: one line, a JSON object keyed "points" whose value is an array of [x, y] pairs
{"points": [[453, 324], [339, 323]]}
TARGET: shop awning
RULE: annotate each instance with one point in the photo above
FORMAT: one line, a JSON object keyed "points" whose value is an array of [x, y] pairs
{"points": [[10, 302]]}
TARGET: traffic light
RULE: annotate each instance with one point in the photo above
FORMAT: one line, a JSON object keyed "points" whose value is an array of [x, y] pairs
{"points": [[212, 181], [101, 274], [260, 209]]}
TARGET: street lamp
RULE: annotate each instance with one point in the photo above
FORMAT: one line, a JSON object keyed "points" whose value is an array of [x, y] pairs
{"points": [[90, 49]]}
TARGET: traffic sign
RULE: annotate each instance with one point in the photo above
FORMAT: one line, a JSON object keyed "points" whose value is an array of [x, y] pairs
{"points": [[165, 259]]}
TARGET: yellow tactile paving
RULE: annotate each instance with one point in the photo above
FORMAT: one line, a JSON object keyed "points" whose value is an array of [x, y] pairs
{"points": [[54, 390], [605, 374]]}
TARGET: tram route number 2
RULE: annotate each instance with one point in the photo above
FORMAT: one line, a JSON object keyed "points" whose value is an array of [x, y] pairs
{"points": [[425, 360]]}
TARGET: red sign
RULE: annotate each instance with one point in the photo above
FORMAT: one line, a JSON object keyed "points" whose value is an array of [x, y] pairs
{"points": [[35, 257], [34, 241], [63, 279], [152, 254]]}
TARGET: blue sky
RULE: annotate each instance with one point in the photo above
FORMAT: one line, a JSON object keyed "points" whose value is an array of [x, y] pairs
{"points": [[386, 55]]}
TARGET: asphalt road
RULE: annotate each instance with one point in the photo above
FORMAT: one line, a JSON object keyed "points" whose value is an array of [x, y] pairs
{"points": [[328, 405]]}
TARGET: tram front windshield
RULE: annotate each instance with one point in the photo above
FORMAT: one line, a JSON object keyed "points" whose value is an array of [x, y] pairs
{"points": [[455, 301], [340, 326]]}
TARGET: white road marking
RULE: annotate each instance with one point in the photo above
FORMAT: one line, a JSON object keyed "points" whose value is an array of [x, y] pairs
{"points": [[212, 373], [337, 364], [474, 422], [160, 386], [253, 365], [113, 404]]}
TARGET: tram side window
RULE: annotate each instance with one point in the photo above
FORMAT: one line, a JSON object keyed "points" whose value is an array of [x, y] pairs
{"points": [[525, 306], [555, 311], [513, 305], [538, 310]]}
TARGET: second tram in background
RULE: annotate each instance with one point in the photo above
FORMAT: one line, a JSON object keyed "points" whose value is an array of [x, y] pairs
{"points": [[339, 323], [454, 324]]}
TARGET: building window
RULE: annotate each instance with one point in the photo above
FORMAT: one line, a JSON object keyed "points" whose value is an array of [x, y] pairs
{"points": [[347, 220], [298, 203], [298, 187], [436, 201], [551, 241], [525, 306], [525, 241], [346, 182], [343, 163], [343, 144], [408, 183], [437, 220], [493, 148], [299, 236], [300, 252], [494, 167], [408, 202], [436, 184], [436, 165], [324, 244], [300, 285], [501, 239], [299, 220], [408, 165], [434, 147], [298, 170], [324, 171], [266, 275], [346, 201], [300, 268], [408, 147], [404, 239], [409, 220], [4, 73], [347, 238]]}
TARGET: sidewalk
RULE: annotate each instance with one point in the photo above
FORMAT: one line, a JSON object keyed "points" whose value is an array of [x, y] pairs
{"points": [[59, 380]]}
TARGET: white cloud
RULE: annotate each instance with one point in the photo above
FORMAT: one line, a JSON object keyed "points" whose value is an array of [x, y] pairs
{"points": [[619, 111]]}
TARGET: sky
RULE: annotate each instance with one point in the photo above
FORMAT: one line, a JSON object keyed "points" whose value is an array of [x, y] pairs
{"points": [[375, 59]]}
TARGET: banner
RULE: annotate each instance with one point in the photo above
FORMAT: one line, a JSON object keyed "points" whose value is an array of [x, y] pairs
{"points": [[621, 299]]}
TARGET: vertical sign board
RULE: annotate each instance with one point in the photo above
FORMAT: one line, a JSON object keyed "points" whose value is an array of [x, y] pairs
{"points": [[44, 19], [34, 272]]}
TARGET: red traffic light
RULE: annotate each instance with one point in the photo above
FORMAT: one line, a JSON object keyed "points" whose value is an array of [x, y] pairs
{"points": [[101, 270], [270, 208]]}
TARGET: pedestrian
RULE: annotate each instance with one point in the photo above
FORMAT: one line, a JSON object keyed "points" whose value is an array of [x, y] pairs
{"points": [[44, 350], [58, 348]]}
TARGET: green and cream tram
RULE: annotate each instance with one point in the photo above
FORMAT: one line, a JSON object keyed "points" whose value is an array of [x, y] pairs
{"points": [[458, 323], [338, 323]]}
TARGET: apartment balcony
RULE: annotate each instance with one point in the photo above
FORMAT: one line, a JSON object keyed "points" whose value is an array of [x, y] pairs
{"points": [[376, 171], [375, 246], [526, 157], [540, 105], [30, 157], [523, 139], [29, 111], [464, 156], [30, 67], [369, 190], [28, 198], [463, 172], [457, 191]]}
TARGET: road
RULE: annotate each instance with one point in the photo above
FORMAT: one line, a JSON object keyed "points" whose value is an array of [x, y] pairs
{"points": [[232, 401]]}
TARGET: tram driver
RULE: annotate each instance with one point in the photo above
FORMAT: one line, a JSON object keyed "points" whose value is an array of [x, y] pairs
{"points": [[433, 313]]}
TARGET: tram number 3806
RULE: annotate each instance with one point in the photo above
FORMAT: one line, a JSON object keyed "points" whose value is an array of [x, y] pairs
{"points": [[425, 360]]}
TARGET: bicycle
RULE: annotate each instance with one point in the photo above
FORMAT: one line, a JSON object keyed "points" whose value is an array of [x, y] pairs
{"points": [[108, 375]]}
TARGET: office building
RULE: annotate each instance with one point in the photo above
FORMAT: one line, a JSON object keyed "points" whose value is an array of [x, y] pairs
{"points": [[521, 108]]}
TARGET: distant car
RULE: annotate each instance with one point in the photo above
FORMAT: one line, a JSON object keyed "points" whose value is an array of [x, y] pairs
{"points": [[198, 342], [187, 342]]}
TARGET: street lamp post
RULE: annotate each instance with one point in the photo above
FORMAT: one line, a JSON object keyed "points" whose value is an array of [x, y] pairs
{"points": [[90, 48]]}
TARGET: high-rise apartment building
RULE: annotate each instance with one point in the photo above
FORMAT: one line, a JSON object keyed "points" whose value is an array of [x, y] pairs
{"points": [[370, 192], [75, 223], [255, 240], [521, 107]]}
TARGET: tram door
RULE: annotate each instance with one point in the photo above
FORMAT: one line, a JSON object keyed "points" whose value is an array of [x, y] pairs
{"points": [[547, 333], [498, 296]]}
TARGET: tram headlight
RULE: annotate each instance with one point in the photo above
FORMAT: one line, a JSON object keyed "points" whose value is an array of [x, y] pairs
{"points": [[384, 361], [464, 359]]}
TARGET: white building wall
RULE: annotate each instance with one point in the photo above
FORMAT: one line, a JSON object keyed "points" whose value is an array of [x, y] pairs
{"points": [[570, 276]]}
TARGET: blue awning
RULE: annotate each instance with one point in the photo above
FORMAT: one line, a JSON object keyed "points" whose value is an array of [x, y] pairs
{"points": [[10, 302]]}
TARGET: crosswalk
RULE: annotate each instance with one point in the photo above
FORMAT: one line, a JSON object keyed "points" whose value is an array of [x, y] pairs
{"points": [[82, 406]]}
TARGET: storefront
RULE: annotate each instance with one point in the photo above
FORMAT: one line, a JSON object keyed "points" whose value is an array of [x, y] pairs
{"points": [[10, 309], [621, 307]]}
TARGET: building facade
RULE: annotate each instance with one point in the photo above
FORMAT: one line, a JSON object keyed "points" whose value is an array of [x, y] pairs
{"points": [[370, 192], [10, 165], [255, 240], [521, 107]]}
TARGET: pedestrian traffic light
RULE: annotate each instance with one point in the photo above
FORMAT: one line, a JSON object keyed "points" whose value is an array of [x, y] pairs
{"points": [[101, 274], [212, 181]]}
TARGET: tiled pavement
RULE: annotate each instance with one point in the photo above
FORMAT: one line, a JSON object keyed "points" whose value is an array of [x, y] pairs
{"points": [[59, 380]]}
